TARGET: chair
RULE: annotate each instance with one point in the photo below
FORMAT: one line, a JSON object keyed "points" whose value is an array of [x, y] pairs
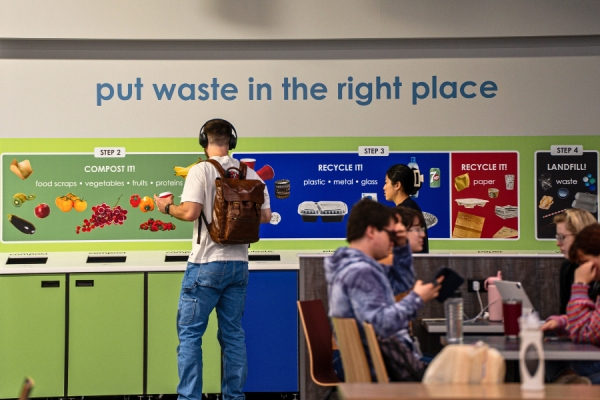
{"points": [[376, 357], [354, 359], [318, 340]]}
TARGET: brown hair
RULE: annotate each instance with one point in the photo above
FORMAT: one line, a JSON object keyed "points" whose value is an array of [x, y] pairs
{"points": [[407, 215], [367, 213], [218, 132], [575, 219], [586, 242]]}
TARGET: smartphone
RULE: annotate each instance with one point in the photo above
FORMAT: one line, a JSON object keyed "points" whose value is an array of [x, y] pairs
{"points": [[452, 281]]}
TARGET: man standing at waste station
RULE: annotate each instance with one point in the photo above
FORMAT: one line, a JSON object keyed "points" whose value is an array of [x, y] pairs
{"points": [[216, 276]]}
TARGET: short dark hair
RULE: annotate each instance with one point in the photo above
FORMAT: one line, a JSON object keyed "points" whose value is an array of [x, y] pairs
{"points": [[405, 175], [367, 213], [407, 215], [218, 132], [586, 242]]}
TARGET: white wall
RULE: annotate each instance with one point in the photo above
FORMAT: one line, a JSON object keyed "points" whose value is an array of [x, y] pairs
{"points": [[543, 55], [306, 19]]}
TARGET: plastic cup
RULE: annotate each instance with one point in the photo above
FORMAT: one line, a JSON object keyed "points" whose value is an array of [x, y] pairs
{"points": [[266, 173], [165, 195], [249, 162], [511, 310]]}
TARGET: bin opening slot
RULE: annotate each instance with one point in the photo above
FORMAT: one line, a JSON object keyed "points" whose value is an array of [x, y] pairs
{"points": [[106, 259], [27, 260], [264, 257], [176, 257]]}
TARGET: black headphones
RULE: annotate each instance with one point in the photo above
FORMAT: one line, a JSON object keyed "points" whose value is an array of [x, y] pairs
{"points": [[232, 134]]}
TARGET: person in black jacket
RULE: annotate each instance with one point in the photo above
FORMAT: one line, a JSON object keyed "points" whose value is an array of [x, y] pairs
{"points": [[400, 183]]}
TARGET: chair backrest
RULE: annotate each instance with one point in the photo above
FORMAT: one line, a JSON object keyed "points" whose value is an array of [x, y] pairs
{"points": [[318, 340], [354, 360], [376, 358], [26, 389]]}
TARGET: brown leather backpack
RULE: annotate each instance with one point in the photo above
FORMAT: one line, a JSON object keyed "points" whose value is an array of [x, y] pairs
{"points": [[236, 209]]}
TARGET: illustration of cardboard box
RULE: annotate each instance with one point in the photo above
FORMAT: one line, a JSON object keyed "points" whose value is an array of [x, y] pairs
{"points": [[467, 226]]}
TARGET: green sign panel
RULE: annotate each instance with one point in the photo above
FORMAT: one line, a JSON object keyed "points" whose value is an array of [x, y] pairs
{"points": [[102, 196]]}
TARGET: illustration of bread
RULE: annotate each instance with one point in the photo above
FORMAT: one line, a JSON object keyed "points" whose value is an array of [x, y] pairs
{"points": [[21, 169]]}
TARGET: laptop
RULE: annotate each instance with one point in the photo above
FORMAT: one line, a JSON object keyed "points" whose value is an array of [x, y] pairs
{"points": [[514, 290]]}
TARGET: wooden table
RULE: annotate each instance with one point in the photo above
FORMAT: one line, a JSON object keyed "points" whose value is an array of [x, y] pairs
{"points": [[508, 391]]}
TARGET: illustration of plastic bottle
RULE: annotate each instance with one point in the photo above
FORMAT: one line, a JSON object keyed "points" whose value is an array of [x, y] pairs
{"points": [[413, 164]]}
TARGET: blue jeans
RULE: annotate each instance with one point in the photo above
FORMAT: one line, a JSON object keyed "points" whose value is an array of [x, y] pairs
{"points": [[589, 369], [215, 285]]}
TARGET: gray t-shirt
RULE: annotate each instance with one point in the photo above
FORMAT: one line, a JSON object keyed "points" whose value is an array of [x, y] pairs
{"points": [[200, 188]]}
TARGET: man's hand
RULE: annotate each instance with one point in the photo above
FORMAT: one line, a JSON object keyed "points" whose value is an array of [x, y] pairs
{"points": [[586, 273], [162, 203], [428, 291], [186, 211], [549, 325]]}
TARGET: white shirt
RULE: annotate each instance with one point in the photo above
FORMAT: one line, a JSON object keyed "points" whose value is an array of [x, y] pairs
{"points": [[200, 188]]}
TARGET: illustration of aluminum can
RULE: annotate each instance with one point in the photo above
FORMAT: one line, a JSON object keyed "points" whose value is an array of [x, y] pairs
{"points": [[434, 177]]}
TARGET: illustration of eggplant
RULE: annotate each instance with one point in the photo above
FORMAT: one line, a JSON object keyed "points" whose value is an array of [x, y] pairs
{"points": [[21, 224]]}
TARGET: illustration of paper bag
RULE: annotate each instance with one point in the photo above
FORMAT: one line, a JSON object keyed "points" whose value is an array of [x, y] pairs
{"points": [[467, 226]]}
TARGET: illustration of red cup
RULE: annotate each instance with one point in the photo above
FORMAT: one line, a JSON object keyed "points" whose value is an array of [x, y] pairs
{"points": [[266, 173], [249, 162]]}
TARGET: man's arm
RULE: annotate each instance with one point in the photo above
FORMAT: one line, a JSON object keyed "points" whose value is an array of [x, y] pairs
{"points": [[187, 211], [265, 215]]}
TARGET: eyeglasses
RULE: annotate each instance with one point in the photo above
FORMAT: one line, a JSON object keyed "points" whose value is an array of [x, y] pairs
{"points": [[561, 238], [417, 229]]}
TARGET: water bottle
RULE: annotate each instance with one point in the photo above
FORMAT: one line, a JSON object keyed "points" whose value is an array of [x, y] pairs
{"points": [[413, 164], [453, 307], [531, 353], [494, 298]]}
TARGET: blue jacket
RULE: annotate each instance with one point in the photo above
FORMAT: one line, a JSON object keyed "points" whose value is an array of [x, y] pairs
{"points": [[361, 288]]}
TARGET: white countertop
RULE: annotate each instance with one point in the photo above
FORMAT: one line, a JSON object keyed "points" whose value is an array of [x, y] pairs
{"points": [[125, 261]]}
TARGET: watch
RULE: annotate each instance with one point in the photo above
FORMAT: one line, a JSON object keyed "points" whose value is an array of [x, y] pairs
{"points": [[167, 207]]}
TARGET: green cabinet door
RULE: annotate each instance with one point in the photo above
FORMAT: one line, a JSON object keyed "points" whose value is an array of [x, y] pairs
{"points": [[106, 334], [163, 298], [32, 334]]}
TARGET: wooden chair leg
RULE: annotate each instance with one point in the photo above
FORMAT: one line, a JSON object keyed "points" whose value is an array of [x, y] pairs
{"points": [[330, 392]]}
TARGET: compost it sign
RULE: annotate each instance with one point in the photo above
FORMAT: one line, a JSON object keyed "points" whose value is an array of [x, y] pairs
{"points": [[102, 196]]}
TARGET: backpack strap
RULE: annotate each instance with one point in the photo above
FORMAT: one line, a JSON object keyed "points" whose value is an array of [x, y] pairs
{"points": [[218, 166]]}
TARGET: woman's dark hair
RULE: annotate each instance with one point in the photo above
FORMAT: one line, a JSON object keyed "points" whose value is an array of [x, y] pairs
{"points": [[586, 242], [367, 213], [401, 173], [407, 215]]}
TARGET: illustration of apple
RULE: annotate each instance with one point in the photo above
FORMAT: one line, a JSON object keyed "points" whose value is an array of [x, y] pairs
{"points": [[42, 210]]}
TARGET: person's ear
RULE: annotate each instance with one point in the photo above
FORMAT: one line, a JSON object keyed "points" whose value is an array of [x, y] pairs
{"points": [[370, 231]]}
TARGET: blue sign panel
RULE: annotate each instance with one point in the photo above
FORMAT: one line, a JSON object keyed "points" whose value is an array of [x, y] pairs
{"points": [[312, 193]]}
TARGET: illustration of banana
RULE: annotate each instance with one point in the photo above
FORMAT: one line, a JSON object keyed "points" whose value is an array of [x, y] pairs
{"points": [[183, 172], [20, 198]]}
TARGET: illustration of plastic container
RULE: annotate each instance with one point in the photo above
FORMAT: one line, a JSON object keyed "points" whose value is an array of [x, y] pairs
{"points": [[329, 211]]}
